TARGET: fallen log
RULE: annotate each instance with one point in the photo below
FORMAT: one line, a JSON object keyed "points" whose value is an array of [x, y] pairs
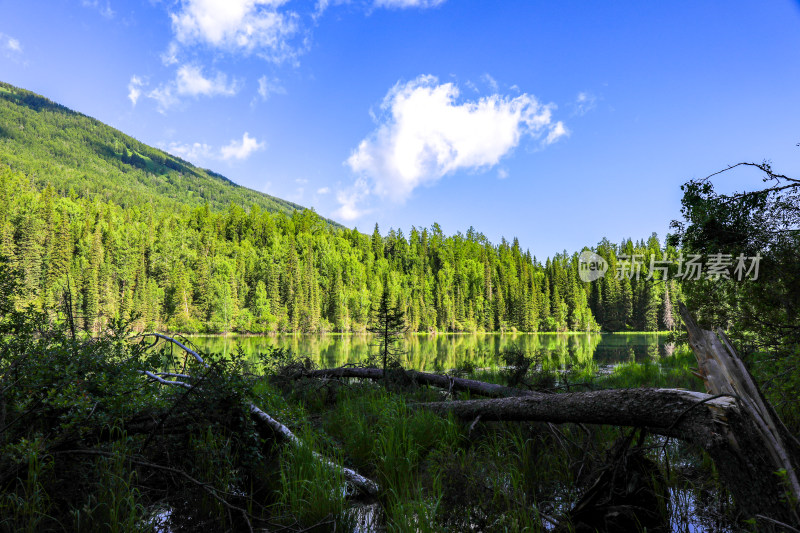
{"points": [[362, 484], [733, 423], [450, 383]]}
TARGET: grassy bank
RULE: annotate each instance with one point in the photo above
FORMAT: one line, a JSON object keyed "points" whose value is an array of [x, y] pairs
{"points": [[88, 444]]}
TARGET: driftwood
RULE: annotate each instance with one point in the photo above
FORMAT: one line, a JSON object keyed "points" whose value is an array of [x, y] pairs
{"points": [[756, 436], [361, 483], [450, 383], [733, 423]]}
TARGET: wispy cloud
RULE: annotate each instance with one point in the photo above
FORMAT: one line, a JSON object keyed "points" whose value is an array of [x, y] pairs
{"points": [[190, 81], [402, 4], [242, 149], [556, 132], [237, 26], [135, 89], [323, 5], [350, 199], [425, 133], [491, 82], [10, 47], [104, 8], [584, 103], [191, 152], [269, 86], [164, 97], [323, 190], [201, 152]]}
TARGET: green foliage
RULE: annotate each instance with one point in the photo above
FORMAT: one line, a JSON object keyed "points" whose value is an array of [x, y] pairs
{"points": [[88, 444], [388, 324], [192, 269], [310, 491], [761, 315]]}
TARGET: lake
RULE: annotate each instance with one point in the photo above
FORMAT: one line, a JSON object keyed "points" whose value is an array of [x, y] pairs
{"points": [[446, 351]]}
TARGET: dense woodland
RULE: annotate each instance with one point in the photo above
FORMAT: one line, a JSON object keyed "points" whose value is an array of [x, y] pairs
{"points": [[196, 269], [128, 231]]}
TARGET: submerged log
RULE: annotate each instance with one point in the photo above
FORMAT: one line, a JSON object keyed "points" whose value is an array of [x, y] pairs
{"points": [[733, 423], [450, 383], [362, 484]]}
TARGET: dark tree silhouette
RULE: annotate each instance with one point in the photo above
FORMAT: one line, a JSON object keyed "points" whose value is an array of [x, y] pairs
{"points": [[389, 324]]}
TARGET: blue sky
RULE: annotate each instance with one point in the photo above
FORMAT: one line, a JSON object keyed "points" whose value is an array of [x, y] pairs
{"points": [[555, 122]]}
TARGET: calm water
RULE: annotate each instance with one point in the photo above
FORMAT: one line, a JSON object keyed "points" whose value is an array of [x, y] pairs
{"points": [[443, 352]]}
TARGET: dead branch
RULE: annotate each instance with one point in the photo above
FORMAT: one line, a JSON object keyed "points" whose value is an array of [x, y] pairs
{"points": [[361, 483]]}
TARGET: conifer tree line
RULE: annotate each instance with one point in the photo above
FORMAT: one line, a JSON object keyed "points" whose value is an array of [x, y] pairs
{"points": [[195, 269]]}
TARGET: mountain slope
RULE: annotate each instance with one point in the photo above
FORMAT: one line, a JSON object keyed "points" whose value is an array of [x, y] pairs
{"points": [[82, 156]]}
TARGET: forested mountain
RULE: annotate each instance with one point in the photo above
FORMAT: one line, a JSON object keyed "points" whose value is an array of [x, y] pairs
{"points": [[122, 230], [80, 156]]}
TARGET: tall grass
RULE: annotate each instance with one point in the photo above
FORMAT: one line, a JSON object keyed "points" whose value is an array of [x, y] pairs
{"points": [[438, 474], [114, 505], [27, 508], [310, 492]]}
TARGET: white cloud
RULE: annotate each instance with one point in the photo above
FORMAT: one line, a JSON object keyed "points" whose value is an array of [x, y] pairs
{"points": [[323, 5], [301, 181], [190, 81], [103, 7], [243, 26], [491, 82], [556, 132], [268, 87], [350, 199], [502, 173], [584, 103], [426, 134], [9, 46], [164, 97], [13, 45], [135, 88], [241, 149], [170, 57], [191, 152], [323, 190], [402, 4], [204, 152]]}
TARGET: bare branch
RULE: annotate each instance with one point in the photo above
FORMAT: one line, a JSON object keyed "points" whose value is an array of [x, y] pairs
{"points": [[361, 483]]}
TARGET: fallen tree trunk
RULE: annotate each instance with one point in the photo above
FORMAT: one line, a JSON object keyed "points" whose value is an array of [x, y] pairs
{"points": [[450, 383], [733, 423], [362, 484]]}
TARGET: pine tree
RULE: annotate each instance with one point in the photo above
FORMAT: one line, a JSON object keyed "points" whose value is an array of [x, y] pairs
{"points": [[377, 243], [388, 324]]}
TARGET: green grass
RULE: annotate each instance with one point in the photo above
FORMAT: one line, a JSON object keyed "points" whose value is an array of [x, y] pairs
{"points": [[310, 492], [669, 372], [435, 473], [439, 474]]}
